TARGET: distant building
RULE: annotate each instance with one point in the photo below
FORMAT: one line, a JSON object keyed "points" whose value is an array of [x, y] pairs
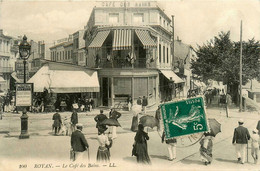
{"points": [[79, 48], [7, 52]]}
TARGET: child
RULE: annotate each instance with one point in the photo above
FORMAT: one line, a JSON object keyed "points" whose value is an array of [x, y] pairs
{"points": [[255, 145]]}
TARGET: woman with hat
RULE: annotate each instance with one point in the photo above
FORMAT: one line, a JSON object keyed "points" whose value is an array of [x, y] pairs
{"points": [[206, 146], [103, 154], [141, 138]]}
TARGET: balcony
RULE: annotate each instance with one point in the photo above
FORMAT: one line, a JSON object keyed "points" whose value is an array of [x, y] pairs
{"points": [[6, 69], [123, 63]]}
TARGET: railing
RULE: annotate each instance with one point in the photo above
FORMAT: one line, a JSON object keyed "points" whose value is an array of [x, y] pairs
{"points": [[123, 63], [6, 69]]}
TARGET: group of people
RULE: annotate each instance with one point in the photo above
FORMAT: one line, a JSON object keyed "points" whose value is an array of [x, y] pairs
{"points": [[66, 126], [143, 102], [105, 142]]}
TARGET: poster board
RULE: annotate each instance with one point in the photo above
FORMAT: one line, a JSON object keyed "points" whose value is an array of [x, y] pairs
{"points": [[24, 92]]}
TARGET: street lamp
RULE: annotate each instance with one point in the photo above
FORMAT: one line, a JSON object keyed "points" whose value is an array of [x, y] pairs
{"points": [[25, 52]]}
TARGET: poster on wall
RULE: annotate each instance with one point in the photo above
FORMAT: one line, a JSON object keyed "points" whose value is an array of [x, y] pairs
{"points": [[24, 93], [184, 117]]}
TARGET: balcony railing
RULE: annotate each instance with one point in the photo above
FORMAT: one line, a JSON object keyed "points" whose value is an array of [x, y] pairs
{"points": [[6, 69], [123, 63]]}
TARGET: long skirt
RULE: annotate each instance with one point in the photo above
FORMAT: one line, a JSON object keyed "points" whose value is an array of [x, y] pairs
{"points": [[103, 154], [134, 126], [206, 155], [142, 153]]}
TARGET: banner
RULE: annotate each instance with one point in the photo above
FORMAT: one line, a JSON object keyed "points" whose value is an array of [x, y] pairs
{"points": [[23, 96], [184, 117]]}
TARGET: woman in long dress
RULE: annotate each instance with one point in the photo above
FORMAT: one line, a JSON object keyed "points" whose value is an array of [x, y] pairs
{"points": [[134, 126], [141, 138], [206, 146], [103, 154]]}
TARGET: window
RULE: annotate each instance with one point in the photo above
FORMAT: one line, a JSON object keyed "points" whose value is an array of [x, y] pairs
{"points": [[138, 18], [160, 53], [163, 54], [63, 56], [167, 55], [160, 20], [113, 18]]}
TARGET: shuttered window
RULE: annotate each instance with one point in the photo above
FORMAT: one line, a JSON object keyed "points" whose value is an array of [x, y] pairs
{"points": [[122, 86]]}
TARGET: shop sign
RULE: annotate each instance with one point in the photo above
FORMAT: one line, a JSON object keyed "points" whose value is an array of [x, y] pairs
{"points": [[126, 4], [23, 95], [184, 117]]}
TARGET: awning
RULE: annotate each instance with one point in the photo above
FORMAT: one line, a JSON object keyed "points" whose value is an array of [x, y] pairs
{"points": [[14, 75], [171, 75], [145, 38], [98, 41], [65, 81], [122, 39]]}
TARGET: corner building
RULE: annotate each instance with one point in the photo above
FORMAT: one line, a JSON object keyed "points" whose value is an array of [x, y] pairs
{"points": [[130, 44]]}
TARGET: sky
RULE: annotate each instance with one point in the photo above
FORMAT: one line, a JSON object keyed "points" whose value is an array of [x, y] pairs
{"points": [[196, 21]]}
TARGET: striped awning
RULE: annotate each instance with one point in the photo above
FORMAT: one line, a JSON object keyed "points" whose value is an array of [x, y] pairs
{"points": [[145, 38], [98, 41], [122, 39]]}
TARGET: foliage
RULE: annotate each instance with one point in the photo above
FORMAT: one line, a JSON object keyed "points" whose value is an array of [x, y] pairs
{"points": [[218, 59]]}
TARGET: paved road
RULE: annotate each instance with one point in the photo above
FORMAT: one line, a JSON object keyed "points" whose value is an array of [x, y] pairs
{"points": [[43, 148]]}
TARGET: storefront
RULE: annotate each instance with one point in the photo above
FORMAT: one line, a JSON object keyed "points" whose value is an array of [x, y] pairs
{"points": [[66, 81]]}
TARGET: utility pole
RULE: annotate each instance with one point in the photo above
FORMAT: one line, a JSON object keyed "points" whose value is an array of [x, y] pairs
{"points": [[173, 87], [240, 73]]}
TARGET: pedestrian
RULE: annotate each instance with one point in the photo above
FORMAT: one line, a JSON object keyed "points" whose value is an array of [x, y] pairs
{"points": [[113, 114], [171, 144], [74, 120], [144, 104], [67, 125], [57, 122], [228, 103], [139, 100], [129, 102], [134, 126], [206, 146], [141, 138], [103, 153], [99, 119], [78, 142], [158, 117], [240, 140], [255, 145]]}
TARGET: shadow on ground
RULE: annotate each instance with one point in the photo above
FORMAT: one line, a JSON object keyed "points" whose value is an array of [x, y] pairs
{"points": [[188, 161], [159, 157], [130, 159], [226, 160]]}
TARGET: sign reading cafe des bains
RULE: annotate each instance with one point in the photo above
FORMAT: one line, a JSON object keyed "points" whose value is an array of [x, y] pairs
{"points": [[24, 93], [184, 117]]}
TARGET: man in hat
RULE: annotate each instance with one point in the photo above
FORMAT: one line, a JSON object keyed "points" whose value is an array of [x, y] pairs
{"points": [[57, 122], [240, 140], [74, 119], [78, 142], [113, 114], [99, 119], [144, 103]]}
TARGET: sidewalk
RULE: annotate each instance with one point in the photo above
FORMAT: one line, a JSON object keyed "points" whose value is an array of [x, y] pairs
{"points": [[43, 148]]}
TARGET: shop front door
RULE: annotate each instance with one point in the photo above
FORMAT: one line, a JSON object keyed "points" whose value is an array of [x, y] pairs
{"points": [[105, 91]]}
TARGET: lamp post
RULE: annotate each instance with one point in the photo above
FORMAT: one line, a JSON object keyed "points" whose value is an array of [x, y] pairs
{"points": [[24, 51]]}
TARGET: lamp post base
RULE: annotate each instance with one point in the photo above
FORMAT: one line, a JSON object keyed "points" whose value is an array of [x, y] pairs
{"points": [[24, 126]]}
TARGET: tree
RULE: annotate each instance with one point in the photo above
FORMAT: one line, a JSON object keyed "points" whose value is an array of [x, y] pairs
{"points": [[218, 59]]}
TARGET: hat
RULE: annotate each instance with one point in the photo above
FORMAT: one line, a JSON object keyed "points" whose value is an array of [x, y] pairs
{"points": [[240, 121], [79, 125], [57, 110], [255, 130]]}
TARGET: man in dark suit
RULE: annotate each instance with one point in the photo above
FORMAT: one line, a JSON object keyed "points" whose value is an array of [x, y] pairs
{"points": [[57, 122], [113, 114], [100, 118], [240, 139], [144, 104], [74, 119], [78, 142]]}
